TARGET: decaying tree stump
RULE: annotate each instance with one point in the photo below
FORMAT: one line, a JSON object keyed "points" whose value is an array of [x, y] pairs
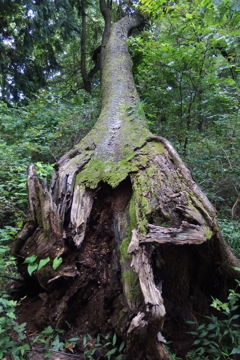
{"points": [[142, 251]]}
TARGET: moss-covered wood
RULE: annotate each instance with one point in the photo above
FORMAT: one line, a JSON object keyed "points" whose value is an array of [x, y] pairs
{"points": [[119, 205]]}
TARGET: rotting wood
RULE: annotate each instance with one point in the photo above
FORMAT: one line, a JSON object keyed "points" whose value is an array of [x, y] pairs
{"points": [[146, 325], [185, 234]]}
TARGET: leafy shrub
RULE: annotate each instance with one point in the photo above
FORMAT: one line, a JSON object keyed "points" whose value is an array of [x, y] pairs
{"points": [[7, 261], [12, 335], [113, 348], [49, 338], [218, 339], [231, 233]]}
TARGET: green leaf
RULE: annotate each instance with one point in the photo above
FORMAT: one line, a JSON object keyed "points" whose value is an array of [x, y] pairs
{"points": [[236, 268], [31, 268], [56, 263], [193, 333], [234, 317], [114, 339], [73, 339], [30, 259], [57, 344], [111, 352], [11, 315], [211, 326], [121, 346], [196, 342], [43, 262], [48, 330], [201, 327], [235, 351], [48, 354], [120, 357]]}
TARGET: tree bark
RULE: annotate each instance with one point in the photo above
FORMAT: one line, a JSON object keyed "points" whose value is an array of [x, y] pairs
{"points": [[142, 251]]}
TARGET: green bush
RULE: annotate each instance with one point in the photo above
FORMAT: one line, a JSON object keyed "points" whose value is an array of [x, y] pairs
{"points": [[231, 233], [12, 335], [218, 339]]}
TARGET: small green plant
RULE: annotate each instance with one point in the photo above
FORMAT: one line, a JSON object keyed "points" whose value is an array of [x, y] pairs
{"points": [[91, 345], [56, 262], [115, 350], [218, 339], [170, 354], [44, 171], [231, 233], [7, 261], [12, 335], [51, 340], [101, 341], [33, 264]]}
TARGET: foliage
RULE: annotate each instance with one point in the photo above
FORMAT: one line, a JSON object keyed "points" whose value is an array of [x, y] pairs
{"points": [[170, 354], [7, 262], [101, 341], [186, 67], [219, 338], [14, 338], [40, 132], [33, 264], [231, 233], [40, 46], [33, 34], [214, 161], [51, 339], [12, 335], [56, 262]]}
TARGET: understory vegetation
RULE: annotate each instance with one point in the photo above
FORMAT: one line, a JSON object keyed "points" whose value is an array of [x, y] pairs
{"points": [[186, 65]]}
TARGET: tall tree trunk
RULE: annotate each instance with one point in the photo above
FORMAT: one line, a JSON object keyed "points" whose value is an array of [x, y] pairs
{"points": [[142, 251]]}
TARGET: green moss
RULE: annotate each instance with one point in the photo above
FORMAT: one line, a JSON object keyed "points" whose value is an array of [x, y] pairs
{"points": [[132, 225], [123, 249], [131, 281], [108, 171], [208, 234], [159, 148], [112, 172], [151, 171], [142, 184]]}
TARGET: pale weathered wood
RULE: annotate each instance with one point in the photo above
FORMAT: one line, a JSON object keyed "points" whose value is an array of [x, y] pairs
{"points": [[146, 325], [80, 211], [185, 234]]}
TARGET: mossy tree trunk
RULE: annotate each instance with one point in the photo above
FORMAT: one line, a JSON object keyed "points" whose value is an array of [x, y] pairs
{"points": [[141, 247]]}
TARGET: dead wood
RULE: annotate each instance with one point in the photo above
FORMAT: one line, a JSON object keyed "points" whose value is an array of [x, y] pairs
{"points": [[118, 207]]}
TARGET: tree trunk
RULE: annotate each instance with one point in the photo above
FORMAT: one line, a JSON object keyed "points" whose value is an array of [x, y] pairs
{"points": [[142, 251]]}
